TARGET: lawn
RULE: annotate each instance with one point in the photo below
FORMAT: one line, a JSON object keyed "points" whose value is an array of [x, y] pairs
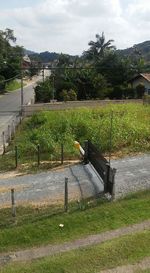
{"points": [[43, 228], [127, 125], [121, 251]]}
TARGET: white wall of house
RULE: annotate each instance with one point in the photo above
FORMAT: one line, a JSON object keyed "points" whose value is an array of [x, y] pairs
{"points": [[143, 81]]}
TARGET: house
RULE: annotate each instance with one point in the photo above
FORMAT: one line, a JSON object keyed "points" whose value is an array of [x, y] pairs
{"points": [[143, 78], [26, 62]]}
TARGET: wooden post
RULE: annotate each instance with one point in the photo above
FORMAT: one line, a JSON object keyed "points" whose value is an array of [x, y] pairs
{"points": [[9, 133], [16, 156], [62, 153], [106, 180], [38, 154], [13, 202], [66, 195], [113, 181], [13, 126], [3, 139]]}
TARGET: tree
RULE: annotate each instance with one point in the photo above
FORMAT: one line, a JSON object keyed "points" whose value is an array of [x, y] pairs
{"points": [[140, 90], [98, 49]]}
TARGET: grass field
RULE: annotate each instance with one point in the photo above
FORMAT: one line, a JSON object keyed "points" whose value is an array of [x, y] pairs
{"points": [[129, 131], [121, 251], [43, 228]]}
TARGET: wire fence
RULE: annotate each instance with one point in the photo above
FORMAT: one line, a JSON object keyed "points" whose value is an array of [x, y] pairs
{"points": [[17, 211]]}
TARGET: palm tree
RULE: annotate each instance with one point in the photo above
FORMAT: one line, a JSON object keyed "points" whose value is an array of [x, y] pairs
{"points": [[99, 48]]}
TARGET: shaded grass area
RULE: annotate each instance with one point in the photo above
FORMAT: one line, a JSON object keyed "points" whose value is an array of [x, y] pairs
{"points": [[13, 85], [121, 251], [130, 133], [43, 228]]}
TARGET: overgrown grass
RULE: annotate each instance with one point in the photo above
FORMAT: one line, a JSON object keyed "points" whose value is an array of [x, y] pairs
{"points": [[44, 228], [121, 251], [13, 85], [130, 131]]}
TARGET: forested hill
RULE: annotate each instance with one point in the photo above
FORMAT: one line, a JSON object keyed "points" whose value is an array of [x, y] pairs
{"points": [[45, 57], [142, 49]]}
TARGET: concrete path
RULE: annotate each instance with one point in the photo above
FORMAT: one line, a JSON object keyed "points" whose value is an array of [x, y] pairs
{"points": [[44, 251]]}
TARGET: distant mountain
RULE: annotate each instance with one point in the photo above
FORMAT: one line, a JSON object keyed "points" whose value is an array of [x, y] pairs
{"points": [[44, 57], [142, 49], [29, 52]]}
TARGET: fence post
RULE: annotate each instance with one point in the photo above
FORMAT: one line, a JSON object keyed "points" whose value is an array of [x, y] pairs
{"points": [[13, 202], [66, 195], [106, 182], [110, 135], [13, 126], [9, 133], [16, 156], [86, 149], [62, 153], [113, 182], [38, 150], [3, 139]]}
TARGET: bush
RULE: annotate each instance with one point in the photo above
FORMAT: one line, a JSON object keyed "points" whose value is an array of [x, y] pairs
{"points": [[140, 90], [2, 84]]}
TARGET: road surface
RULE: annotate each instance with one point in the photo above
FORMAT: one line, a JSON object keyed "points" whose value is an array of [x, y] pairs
{"points": [[133, 174], [10, 106]]}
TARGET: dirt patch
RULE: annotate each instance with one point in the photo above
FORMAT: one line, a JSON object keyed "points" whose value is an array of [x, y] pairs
{"points": [[134, 268]]}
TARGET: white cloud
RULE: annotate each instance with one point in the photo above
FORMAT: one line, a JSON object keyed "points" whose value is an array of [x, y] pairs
{"points": [[68, 25]]}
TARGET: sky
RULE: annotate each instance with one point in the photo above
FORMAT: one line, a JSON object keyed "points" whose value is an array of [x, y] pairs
{"points": [[68, 25]]}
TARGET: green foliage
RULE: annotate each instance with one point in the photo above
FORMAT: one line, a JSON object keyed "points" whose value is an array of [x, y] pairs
{"points": [[140, 90], [12, 85], [9, 55], [130, 131], [68, 95], [44, 91], [2, 84]]}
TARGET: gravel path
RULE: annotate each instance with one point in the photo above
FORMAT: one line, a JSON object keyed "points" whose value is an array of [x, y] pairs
{"points": [[133, 174], [44, 251], [48, 187]]}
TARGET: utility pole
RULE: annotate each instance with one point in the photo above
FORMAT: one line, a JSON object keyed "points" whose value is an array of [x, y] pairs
{"points": [[43, 73], [53, 89], [21, 68]]}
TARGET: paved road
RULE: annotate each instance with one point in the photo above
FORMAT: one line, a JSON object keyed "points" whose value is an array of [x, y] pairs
{"points": [[132, 174], [10, 106]]}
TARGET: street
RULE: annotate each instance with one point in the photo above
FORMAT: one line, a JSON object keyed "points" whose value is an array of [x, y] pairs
{"points": [[10, 106]]}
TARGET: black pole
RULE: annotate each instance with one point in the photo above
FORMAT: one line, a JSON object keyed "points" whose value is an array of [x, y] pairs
{"points": [[38, 150], [66, 195], [16, 156], [62, 153]]}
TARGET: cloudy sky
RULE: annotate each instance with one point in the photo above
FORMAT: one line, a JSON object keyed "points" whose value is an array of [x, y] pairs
{"points": [[68, 25]]}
